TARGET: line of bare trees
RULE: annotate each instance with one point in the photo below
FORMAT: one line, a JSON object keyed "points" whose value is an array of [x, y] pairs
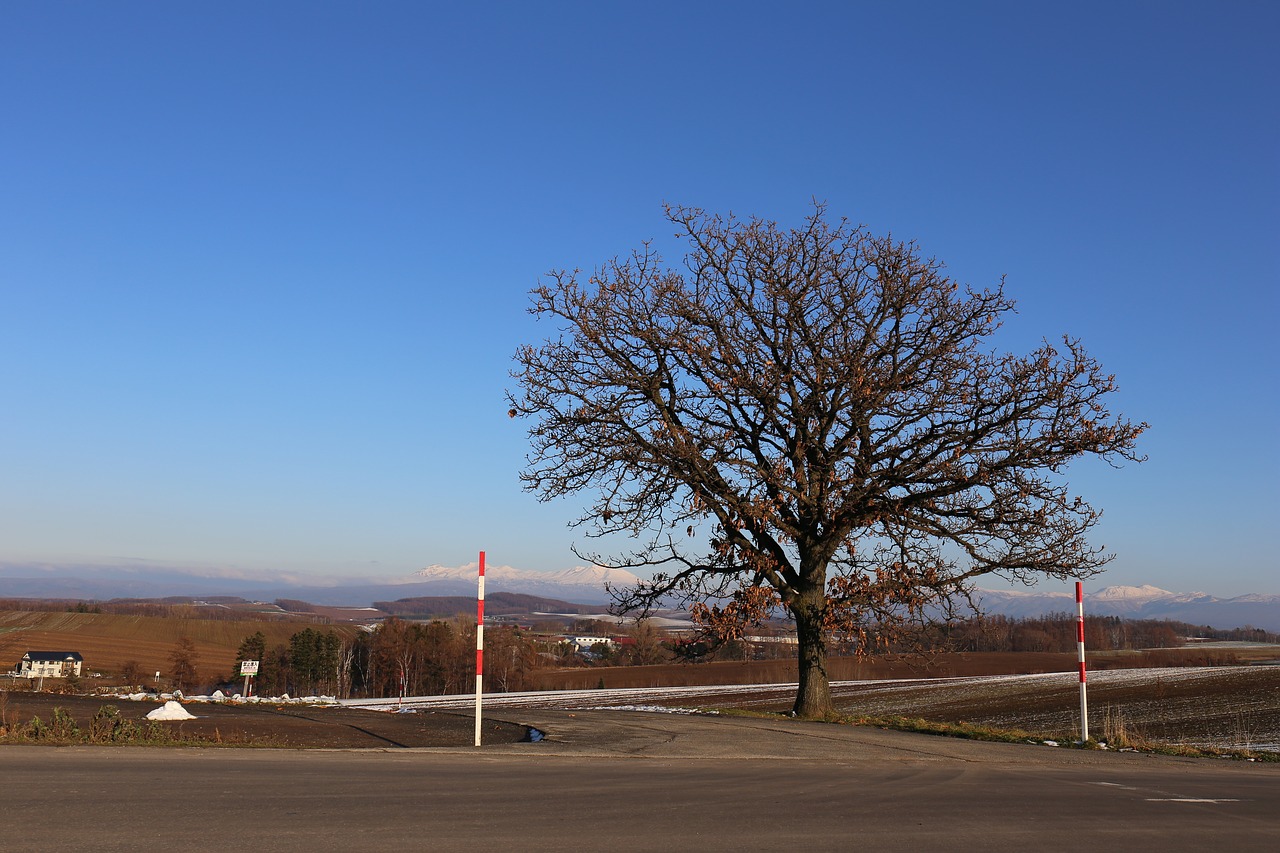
{"points": [[396, 658], [1056, 632]]}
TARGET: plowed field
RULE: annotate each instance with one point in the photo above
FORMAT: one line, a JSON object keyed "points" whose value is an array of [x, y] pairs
{"points": [[107, 641]]}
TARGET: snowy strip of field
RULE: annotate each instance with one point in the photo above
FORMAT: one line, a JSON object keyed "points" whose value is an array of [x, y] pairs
{"points": [[571, 699], [648, 696]]}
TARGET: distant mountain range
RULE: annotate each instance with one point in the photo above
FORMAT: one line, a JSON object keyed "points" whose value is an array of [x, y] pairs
{"points": [[497, 604], [1142, 602], [583, 585]]}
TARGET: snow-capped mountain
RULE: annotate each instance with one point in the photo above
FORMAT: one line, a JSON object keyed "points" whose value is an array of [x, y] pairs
{"points": [[581, 583], [1141, 602]]}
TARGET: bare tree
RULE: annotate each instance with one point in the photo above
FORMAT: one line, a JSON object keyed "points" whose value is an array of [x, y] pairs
{"points": [[648, 648], [183, 661], [823, 406], [397, 652], [509, 657], [131, 673], [346, 664]]}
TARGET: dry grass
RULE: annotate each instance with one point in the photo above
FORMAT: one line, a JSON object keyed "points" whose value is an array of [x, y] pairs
{"points": [[107, 727]]}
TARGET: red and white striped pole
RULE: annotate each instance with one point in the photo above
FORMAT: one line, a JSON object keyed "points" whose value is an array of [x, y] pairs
{"points": [[479, 646], [1084, 702]]}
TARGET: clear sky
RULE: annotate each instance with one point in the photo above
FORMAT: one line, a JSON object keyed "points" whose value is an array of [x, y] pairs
{"points": [[263, 266]]}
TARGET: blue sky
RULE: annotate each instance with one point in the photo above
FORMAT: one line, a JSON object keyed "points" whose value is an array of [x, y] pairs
{"points": [[263, 266]]}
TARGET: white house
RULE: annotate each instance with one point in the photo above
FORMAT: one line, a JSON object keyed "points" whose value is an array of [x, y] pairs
{"points": [[49, 664]]}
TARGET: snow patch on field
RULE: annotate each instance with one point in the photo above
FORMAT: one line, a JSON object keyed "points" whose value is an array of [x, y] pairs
{"points": [[654, 709], [574, 699], [219, 696]]}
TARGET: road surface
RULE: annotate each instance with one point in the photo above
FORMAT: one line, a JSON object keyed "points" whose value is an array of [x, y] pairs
{"points": [[624, 781]]}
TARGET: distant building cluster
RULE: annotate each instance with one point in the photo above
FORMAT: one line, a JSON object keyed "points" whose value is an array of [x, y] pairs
{"points": [[584, 644]]}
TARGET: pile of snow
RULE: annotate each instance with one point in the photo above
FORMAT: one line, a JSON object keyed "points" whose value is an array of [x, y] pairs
{"points": [[171, 710]]}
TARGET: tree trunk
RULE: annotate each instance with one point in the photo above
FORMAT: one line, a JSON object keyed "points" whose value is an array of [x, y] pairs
{"points": [[813, 699]]}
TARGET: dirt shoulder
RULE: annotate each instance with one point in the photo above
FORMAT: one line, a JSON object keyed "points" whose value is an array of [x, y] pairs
{"points": [[286, 726]]}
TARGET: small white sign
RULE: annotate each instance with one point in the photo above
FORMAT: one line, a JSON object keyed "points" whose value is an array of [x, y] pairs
{"points": [[248, 667]]}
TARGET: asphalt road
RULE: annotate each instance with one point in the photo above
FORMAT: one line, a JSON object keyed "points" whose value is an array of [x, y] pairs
{"points": [[623, 781]]}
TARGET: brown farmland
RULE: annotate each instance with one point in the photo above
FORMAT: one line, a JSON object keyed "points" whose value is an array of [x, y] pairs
{"points": [[107, 641]]}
